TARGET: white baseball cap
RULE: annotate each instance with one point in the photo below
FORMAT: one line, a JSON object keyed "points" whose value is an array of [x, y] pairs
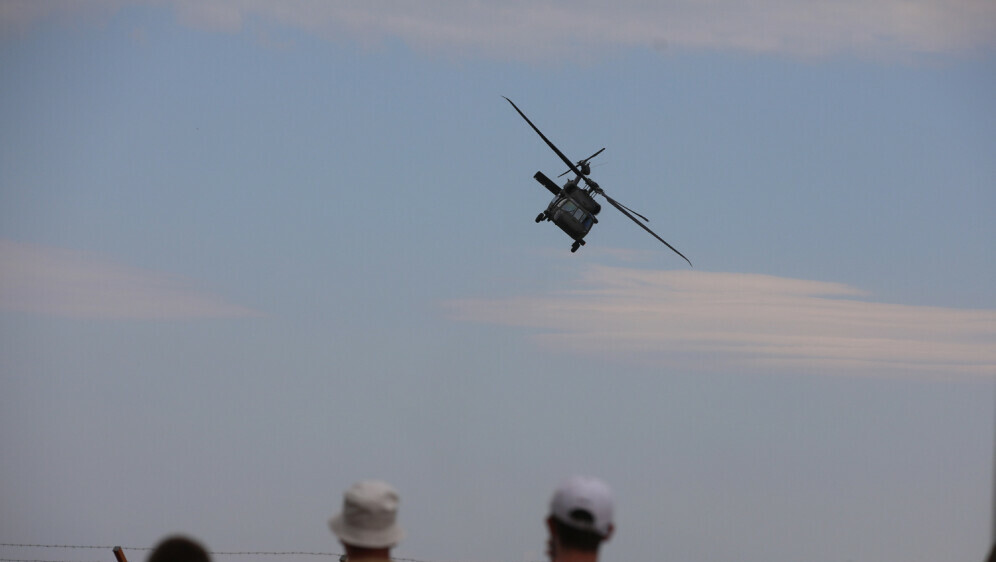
{"points": [[584, 503], [369, 516]]}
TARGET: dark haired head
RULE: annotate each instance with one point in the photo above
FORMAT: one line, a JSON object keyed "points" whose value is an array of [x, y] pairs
{"points": [[179, 549]]}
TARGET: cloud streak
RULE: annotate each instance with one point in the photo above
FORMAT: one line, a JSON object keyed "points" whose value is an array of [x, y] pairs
{"points": [[701, 320], [542, 30], [65, 283]]}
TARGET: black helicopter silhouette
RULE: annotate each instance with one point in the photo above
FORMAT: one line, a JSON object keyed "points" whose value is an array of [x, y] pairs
{"points": [[573, 208]]}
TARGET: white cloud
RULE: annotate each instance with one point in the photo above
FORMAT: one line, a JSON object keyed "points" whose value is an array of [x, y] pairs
{"points": [[66, 283], [545, 29], [693, 320]]}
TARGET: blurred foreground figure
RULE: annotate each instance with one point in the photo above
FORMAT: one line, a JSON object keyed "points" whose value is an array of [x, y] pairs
{"points": [[179, 549], [367, 527], [580, 520]]}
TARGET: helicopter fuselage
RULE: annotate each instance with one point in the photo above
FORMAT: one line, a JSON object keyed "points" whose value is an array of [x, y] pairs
{"points": [[572, 209]]}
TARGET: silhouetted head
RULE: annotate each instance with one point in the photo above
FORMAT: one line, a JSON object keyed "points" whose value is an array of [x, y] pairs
{"points": [[179, 549]]}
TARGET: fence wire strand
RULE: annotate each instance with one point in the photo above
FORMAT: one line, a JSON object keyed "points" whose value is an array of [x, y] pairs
{"points": [[147, 548], [28, 560]]}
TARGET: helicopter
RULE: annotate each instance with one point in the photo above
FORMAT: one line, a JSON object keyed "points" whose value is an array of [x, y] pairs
{"points": [[573, 207]]}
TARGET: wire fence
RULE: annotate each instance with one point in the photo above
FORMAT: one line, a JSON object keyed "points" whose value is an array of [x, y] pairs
{"points": [[39, 559], [285, 553], [333, 555]]}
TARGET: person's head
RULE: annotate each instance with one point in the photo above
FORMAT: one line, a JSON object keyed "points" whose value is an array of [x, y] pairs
{"points": [[367, 526], [580, 514], [179, 549]]}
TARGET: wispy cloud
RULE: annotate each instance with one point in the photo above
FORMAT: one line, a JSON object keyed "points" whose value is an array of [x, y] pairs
{"points": [[694, 320], [58, 282], [545, 29]]}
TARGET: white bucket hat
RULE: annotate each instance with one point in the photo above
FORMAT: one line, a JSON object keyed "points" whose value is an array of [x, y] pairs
{"points": [[369, 516]]}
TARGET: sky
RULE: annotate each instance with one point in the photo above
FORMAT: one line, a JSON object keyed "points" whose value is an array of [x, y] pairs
{"points": [[252, 252]]}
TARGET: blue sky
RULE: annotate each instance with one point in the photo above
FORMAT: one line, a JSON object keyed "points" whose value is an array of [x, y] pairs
{"points": [[252, 253]]}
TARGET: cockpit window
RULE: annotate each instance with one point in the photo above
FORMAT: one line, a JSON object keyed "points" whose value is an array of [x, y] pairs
{"points": [[569, 206]]}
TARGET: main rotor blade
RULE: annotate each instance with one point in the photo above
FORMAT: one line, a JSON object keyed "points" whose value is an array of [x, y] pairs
{"points": [[645, 219], [623, 210], [554, 147]]}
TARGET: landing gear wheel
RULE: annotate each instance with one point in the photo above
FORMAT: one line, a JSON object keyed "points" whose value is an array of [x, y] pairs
{"points": [[540, 217], [575, 246]]}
